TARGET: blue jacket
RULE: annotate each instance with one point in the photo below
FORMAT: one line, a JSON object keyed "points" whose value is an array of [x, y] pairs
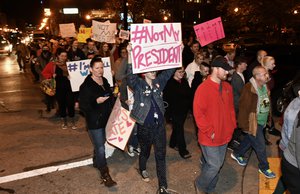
{"points": [[142, 93]]}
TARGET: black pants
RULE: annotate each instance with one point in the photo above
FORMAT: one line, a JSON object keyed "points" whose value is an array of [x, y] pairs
{"points": [[156, 135], [66, 102], [291, 176], [21, 62], [177, 137], [34, 73]]}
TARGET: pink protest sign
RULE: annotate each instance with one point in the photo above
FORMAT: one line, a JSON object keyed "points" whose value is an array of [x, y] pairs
{"points": [[209, 31], [119, 126], [155, 46]]}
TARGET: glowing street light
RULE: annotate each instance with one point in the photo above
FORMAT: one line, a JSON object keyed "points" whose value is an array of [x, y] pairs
{"points": [[165, 18], [236, 9], [88, 17], [295, 11]]}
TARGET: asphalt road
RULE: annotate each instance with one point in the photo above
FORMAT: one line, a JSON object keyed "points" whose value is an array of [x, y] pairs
{"points": [[32, 139]]}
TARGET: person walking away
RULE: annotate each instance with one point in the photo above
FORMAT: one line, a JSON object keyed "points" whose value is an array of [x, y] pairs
{"points": [[22, 55], [95, 101], [215, 119], [255, 101]]}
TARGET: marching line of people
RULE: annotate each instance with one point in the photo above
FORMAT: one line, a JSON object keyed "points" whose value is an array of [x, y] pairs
{"points": [[212, 87]]}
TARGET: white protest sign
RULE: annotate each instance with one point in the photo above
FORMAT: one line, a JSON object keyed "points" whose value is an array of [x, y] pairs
{"points": [[124, 34], [103, 32], [155, 46], [67, 30], [79, 70], [119, 126]]}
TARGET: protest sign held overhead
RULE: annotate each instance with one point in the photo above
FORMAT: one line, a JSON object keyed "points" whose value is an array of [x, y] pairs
{"points": [[83, 34], [79, 70], [209, 31], [103, 32], [124, 34], [67, 30], [155, 46], [119, 126]]}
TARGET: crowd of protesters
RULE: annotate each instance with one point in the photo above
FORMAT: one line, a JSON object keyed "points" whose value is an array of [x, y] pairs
{"points": [[211, 86]]}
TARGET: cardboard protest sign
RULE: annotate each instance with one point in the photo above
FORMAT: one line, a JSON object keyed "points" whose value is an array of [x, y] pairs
{"points": [[119, 126], [83, 34], [103, 32], [124, 34], [209, 31], [67, 30], [79, 70], [155, 46]]}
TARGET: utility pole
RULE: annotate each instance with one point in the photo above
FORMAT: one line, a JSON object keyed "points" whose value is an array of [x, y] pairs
{"points": [[125, 10]]}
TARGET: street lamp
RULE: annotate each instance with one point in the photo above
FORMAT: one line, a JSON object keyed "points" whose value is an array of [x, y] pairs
{"points": [[236, 9], [165, 18], [295, 11], [88, 17]]}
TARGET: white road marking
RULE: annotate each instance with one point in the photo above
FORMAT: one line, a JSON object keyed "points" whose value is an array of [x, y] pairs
{"points": [[45, 170]]}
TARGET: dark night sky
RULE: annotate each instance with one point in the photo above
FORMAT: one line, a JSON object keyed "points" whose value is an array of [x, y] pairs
{"points": [[28, 11]]}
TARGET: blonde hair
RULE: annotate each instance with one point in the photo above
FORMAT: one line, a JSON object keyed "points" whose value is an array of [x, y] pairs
{"points": [[266, 60]]}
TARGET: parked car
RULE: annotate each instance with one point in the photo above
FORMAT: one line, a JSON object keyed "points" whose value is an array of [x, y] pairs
{"points": [[5, 46], [284, 96]]}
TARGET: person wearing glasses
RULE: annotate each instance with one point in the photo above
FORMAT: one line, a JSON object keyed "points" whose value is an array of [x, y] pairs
{"points": [[178, 90]]}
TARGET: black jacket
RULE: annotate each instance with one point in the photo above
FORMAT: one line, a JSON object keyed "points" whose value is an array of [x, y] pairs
{"points": [[96, 115]]}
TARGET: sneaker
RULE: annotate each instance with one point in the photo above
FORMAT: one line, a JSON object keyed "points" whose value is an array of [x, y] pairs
{"points": [[162, 190], [137, 150], [130, 151], [64, 126], [74, 126], [240, 160], [145, 176], [268, 173]]}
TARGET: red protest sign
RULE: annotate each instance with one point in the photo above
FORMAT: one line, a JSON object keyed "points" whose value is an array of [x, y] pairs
{"points": [[209, 31], [119, 126]]}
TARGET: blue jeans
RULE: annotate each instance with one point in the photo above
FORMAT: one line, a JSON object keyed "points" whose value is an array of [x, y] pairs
{"points": [[259, 146], [214, 159], [98, 139]]}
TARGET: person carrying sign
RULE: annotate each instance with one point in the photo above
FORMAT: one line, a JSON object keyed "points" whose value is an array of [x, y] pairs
{"points": [[148, 110], [95, 101]]}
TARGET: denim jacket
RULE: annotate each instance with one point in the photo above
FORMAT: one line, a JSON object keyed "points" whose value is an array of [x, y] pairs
{"points": [[142, 93]]}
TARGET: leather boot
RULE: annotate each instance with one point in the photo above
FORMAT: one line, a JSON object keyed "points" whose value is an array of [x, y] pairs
{"points": [[107, 180]]}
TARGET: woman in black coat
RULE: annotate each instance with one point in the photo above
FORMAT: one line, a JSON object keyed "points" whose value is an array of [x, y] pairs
{"points": [[95, 101], [178, 94]]}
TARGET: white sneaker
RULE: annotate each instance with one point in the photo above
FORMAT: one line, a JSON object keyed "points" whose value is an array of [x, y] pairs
{"points": [[130, 151], [137, 150]]}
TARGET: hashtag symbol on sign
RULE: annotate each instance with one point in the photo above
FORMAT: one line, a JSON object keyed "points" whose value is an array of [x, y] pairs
{"points": [[72, 67], [139, 35]]}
